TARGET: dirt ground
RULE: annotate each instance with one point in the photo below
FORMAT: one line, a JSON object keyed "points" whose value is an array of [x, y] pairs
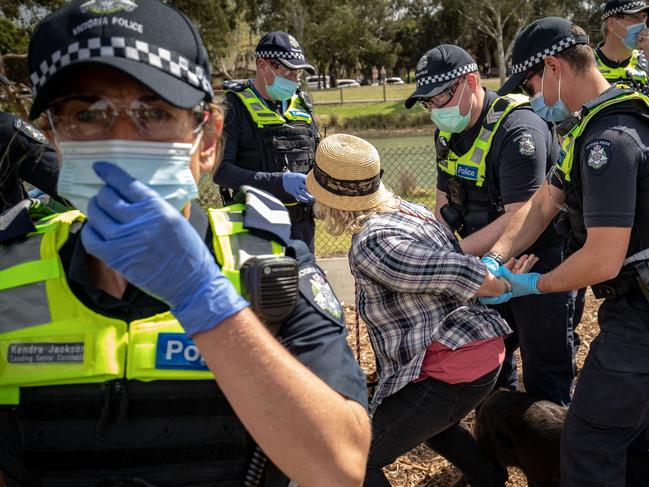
{"points": [[422, 467]]}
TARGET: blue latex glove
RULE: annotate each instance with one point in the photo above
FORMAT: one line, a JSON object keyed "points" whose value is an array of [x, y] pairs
{"points": [[492, 265], [294, 184], [522, 284], [503, 298], [133, 230]]}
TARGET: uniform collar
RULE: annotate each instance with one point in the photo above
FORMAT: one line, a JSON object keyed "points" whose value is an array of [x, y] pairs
{"points": [[609, 62], [135, 304], [277, 106]]}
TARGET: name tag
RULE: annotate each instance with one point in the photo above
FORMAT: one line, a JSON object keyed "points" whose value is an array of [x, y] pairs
{"points": [[467, 172], [45, 353], [178, 352]]}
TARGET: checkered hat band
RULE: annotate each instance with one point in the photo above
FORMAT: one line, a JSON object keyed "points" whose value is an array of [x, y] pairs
{"points": [[438, 78], [280, 55], [555, 48], [128, 48], [623, 8]]}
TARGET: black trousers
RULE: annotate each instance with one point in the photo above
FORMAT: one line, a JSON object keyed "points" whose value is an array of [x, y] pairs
{"points": [[605, 440], [544, 330], [430, 411]]}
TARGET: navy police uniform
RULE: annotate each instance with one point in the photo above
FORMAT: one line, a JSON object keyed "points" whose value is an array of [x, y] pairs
{"points": [[25, 155], [603, 171], [502, 159], [166, 432], [264, 138], [522, 151], [606, 432]]}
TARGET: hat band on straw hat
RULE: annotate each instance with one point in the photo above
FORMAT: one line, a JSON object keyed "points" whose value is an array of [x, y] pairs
{"points": [[342, 187]]}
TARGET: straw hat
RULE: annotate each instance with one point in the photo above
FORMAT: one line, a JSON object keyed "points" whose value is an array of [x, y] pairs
{"points": [[347, 174]]}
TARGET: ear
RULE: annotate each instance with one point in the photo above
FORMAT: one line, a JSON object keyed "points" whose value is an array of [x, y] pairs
{"points": [[472, 80], [211, 143], [553, 64]]}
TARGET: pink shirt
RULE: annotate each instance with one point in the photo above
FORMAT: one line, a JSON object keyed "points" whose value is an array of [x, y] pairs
{"points": [[464, 364]]}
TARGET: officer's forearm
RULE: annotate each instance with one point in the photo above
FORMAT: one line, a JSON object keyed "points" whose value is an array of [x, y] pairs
{"points": [[312, 433], [599, 260], [480, 242], [232, 176], [526, 224]]}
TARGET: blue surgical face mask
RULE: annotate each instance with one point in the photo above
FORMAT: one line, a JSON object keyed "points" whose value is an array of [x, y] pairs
{"points": [[556, 113], [282, 88], [163, 166], [449, 119], [630, 41]]}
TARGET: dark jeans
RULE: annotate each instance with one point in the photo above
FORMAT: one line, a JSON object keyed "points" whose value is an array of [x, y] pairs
{"points": [[543, 328], [605, 438], [429, 411]]}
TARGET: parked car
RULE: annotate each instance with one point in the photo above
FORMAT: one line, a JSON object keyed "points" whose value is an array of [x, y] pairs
{"points": [[346, 83], [312, 82], [394, 80]]}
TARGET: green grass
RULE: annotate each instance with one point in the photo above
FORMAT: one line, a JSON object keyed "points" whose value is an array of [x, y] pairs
{"points": [[375, 114], [375, 93]]}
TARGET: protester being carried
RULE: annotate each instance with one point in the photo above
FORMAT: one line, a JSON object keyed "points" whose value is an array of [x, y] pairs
{"points": [[438, 350]]}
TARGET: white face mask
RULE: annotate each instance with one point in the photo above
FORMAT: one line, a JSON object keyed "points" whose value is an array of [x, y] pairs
{"points": [[163, 166]]}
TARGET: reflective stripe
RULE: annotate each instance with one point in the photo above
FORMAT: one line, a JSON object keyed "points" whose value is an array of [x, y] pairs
{"points": [[29, 273], [234, 244], [23, 306], [472, 165], [264, 116], [566, 156]]}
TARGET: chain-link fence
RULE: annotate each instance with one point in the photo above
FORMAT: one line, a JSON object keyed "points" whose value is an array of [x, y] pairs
{"points": [[408, 171]]}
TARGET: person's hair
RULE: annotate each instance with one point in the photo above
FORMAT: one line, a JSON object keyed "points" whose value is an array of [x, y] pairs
{"points": [[339, 221], [217, 111], [580, 57]]}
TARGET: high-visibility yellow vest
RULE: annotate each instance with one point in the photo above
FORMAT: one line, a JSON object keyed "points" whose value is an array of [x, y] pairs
{"points": [[49, 337], [264, 116], [566, 158], [632, 71], [472, 166]]}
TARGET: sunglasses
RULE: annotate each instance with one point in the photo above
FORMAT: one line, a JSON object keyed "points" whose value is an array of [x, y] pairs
{"points": [[530, 74]]}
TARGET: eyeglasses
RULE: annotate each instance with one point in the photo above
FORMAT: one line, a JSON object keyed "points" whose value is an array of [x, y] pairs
{"points": [[284, 71], [530, 74], [90, 117], [441, 99]]}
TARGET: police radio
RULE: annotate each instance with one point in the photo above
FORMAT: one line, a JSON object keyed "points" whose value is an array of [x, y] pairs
{"points": [[270, 284]]}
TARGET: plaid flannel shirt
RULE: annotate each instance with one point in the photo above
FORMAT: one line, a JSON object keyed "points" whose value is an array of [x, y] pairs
{"points": [[415, 287]]}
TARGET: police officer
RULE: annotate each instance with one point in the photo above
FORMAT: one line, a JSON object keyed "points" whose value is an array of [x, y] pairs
{"points": [[270, 133], [25, 155], [100, 382], [621, 57], [492, 154], [602, 180]]}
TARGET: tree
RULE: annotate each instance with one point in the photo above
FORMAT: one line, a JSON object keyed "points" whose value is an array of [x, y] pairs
{"points": [[501, 20]]}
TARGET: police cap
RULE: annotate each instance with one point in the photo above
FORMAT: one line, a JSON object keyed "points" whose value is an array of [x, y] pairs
{"points": [[438, 69], [148, 40], [285, 48], [616, 7], [542, 38]]}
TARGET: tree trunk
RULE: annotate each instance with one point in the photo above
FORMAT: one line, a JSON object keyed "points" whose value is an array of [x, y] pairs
{"points": [[500, 47]]}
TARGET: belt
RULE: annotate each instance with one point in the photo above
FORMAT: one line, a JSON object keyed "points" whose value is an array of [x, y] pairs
{"points": [[629, 279]]}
